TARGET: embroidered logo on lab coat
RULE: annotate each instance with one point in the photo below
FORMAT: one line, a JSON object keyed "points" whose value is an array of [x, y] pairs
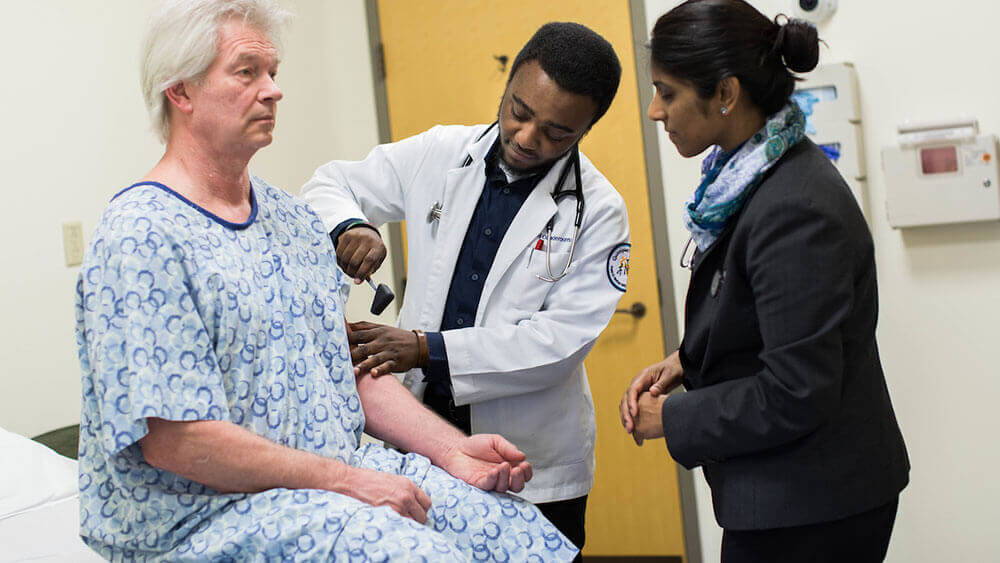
{"points": [[618, 266]]}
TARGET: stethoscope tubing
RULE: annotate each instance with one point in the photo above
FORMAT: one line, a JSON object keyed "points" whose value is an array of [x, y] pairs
{"points": [[557, 194]]}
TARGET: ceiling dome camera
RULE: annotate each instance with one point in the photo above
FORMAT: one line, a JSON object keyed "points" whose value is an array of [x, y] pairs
{"points": [[816, 11]]}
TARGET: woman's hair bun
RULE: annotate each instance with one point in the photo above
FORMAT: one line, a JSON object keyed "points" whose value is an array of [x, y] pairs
{"points": [[798, 45]]}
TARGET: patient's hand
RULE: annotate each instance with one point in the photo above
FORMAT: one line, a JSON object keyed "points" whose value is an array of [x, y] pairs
{"points": [[489, 462], [658, 379], [383, 489]]}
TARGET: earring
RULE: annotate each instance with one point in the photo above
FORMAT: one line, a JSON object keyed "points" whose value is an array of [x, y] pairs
{"points": [[725, 111]]}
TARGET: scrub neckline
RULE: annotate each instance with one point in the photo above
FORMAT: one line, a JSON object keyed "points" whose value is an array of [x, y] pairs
{"points": [[202, 210]]}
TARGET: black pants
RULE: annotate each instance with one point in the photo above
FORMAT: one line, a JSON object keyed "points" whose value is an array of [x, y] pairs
{"points": [[863, 538], [569, 516], [439, 400]]}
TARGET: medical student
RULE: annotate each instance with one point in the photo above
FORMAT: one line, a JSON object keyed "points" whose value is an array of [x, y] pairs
{"points": [[508, 286]]}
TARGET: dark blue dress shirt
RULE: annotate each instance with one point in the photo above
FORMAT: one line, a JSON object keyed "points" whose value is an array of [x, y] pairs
{"points": [[498, 205]]}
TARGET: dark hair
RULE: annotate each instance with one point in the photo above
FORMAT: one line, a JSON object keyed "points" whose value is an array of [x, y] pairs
{"points": [[577, 59], [705, 41]]}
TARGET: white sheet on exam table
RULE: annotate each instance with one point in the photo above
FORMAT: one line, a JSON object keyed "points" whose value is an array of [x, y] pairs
{"points": [[47, 533]]}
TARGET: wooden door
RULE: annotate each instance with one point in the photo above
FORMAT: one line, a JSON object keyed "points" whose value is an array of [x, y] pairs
{"points": [[446, 62]]}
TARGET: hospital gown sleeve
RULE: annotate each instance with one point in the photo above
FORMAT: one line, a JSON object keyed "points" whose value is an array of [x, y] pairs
{"points": [[147, 347]]}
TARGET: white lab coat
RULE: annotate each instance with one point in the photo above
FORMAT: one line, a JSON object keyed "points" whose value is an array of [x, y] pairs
{"points": [[521, 366]]}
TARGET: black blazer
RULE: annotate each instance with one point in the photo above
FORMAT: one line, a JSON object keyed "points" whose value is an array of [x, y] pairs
{"points": [[787, 408]]}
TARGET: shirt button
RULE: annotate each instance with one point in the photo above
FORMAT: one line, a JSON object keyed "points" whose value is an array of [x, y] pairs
{"points": [[487, 231], [460, 321], [506, 191], [474, 277]]}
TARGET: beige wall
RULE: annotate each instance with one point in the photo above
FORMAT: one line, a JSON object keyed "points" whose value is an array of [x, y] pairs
{"points": [[76, 132], [939, 286]]}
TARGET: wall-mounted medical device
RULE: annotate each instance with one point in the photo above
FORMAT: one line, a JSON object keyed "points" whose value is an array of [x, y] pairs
{"points": [[816, 11], [942, 172], [829, 97]]}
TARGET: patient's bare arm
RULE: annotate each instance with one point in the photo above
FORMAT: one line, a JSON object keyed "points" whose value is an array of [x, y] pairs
{"points": [[486, 461], [230, 459]]}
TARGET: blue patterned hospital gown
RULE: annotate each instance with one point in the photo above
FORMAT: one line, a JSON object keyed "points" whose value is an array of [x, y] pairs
{"points": [[184, 316]]}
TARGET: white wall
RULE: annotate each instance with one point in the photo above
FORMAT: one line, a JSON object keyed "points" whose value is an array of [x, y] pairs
{"points": [[939, 286], [76, 132]]}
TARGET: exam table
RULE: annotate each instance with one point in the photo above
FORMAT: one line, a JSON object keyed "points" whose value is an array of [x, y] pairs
{"points": [[39, 502]]}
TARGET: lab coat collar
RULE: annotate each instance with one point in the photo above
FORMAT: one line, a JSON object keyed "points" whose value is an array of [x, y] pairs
{"points": [[479, 149]]}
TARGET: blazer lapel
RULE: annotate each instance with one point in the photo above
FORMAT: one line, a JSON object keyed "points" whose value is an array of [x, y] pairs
{"points": [[699, 257]]}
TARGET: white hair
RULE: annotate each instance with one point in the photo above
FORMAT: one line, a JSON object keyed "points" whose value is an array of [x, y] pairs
{"points": [[182, 41]]}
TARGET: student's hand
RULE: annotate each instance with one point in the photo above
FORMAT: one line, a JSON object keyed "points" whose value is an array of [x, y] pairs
{"points": [[382, 349], [658, 379], [383, 489], [360, 251], [648, 420], [488, 462]]}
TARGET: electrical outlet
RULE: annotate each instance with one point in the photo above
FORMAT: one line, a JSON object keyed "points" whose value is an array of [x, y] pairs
{"points": [[73, 243]]}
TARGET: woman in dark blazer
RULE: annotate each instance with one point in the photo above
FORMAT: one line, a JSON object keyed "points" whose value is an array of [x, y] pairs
{"points": [[786, 408]]}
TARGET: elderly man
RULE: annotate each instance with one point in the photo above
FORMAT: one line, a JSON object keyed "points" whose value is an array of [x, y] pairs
{"points": [[221, 416]]}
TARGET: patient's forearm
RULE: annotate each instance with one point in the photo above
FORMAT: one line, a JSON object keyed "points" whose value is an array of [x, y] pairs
{"points": [[394, 415], [230, 459]]}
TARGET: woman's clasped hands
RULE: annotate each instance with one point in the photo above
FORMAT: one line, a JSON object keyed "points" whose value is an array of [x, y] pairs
{"points": [[642, 403]]}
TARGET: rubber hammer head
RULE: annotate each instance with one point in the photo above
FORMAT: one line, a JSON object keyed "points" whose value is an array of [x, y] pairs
{"points": [[383, 296]]}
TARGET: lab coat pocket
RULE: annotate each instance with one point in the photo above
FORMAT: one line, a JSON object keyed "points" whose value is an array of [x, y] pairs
{"points": [[526, 290]]}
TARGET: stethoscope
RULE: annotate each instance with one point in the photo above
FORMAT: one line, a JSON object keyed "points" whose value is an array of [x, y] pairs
{"points": [[558, 193]]}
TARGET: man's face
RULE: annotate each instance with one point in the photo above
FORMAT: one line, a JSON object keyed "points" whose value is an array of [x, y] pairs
{"points": [[235, 104], [539, 121]]}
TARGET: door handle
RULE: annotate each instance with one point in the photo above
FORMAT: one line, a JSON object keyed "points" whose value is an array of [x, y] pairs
{"points": [[637, 310]]}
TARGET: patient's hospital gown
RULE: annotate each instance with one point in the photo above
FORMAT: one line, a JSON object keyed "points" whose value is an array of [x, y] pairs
{"points": [[184, 316]]}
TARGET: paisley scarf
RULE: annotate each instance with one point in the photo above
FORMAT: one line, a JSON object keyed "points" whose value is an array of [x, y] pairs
{"points": [[727, 177]]}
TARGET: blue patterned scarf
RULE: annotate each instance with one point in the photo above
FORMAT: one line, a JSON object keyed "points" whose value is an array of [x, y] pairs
{"points": [[727, 177]]}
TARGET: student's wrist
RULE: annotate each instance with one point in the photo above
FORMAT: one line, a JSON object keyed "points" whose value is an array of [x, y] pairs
{"points": [[423, 350], [358, 223]]}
